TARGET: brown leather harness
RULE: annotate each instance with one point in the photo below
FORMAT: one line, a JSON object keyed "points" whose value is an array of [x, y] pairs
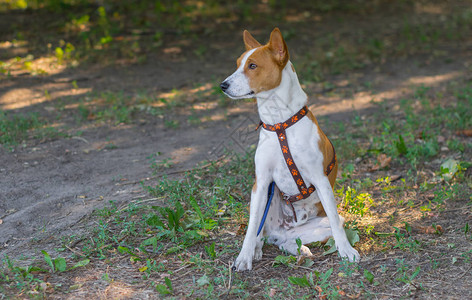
{"points": [[280, 128]]}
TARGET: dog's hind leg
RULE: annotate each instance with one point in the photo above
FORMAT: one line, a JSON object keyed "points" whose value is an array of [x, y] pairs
{"points": [[316, 229], [258, 250], [271, 222]]}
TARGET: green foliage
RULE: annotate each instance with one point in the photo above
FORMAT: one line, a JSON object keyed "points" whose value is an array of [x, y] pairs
{"points": [[354, 202], [400, 145], [369, 276], [210, 250], [352, 236], [404, 241], [177, 226], [60, 264], [318, 283], [284, 260], [165, 289], [64, 54], [150, 242], [79, 264], [449, 168], [24, 278], [299, 245], [403, 273], [173, 216], [301, 281], [48, 260], [466, 229]]}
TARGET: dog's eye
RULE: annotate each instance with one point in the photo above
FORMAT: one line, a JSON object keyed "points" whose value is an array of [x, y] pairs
{"points": [[252, 66]]}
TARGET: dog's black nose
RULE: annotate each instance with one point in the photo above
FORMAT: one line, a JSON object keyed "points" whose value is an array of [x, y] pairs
{"points": [[224, 86]]}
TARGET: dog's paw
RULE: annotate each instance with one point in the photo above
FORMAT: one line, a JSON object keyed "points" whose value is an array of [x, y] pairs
{"points": [[348, 252], [243, 262], [258, 254], [305, 251]]}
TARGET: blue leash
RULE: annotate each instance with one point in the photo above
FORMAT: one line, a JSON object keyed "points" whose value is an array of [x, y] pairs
{"points": [[266, 210]]}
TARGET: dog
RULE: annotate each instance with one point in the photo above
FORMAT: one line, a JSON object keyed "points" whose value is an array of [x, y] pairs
{"points": [[292, 152]]}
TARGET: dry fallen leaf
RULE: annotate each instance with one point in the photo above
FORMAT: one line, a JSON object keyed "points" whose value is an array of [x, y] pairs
{"points": [[352, 296], [395, 177], [242, 229], [383, 161], [340, 292], [465, 132], [301, 260], [433, 229], [272, 292], [320, 291], [172, 50]]}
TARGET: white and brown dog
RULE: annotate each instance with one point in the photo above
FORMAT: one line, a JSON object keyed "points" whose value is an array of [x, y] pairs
{"points": [[265, 72]]}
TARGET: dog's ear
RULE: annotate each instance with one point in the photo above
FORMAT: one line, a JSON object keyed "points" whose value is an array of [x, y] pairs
{"points": [[249, 41], [278, 47]]}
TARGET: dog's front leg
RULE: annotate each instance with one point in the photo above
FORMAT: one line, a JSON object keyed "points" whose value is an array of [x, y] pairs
{"points": [[325, 193], [252, 242]]}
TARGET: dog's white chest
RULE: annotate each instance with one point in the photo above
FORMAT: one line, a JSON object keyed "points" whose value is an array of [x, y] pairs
{"points": [[302, 140]]}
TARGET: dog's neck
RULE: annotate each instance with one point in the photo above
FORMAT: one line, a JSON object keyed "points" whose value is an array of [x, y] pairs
{"points": [[281, 103]]}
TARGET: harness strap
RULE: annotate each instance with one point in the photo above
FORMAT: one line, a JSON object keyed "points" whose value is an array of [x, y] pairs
{"points": [[279, 129]]}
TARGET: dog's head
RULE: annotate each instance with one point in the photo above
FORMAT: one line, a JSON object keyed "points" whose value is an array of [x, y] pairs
{"points": [[259, 68]]}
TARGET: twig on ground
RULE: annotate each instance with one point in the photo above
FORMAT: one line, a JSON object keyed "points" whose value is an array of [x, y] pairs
{"points": [[76, 242], [465, 272], [139, 201], [80, 138], [184, 267], [230, 280], [75, 251]]}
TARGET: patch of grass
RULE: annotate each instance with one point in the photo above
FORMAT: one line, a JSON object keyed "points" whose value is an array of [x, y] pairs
{"points": [[194, 209], [404, 241], [159, 165], [406, 275], [318, 284], [415, 139], [172, 124], [15, 277], [17, 128], [110, 107], [26, 279], [116, 107]]}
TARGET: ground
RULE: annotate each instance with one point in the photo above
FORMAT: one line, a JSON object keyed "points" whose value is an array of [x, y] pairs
{"points": [[94, 144]]}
